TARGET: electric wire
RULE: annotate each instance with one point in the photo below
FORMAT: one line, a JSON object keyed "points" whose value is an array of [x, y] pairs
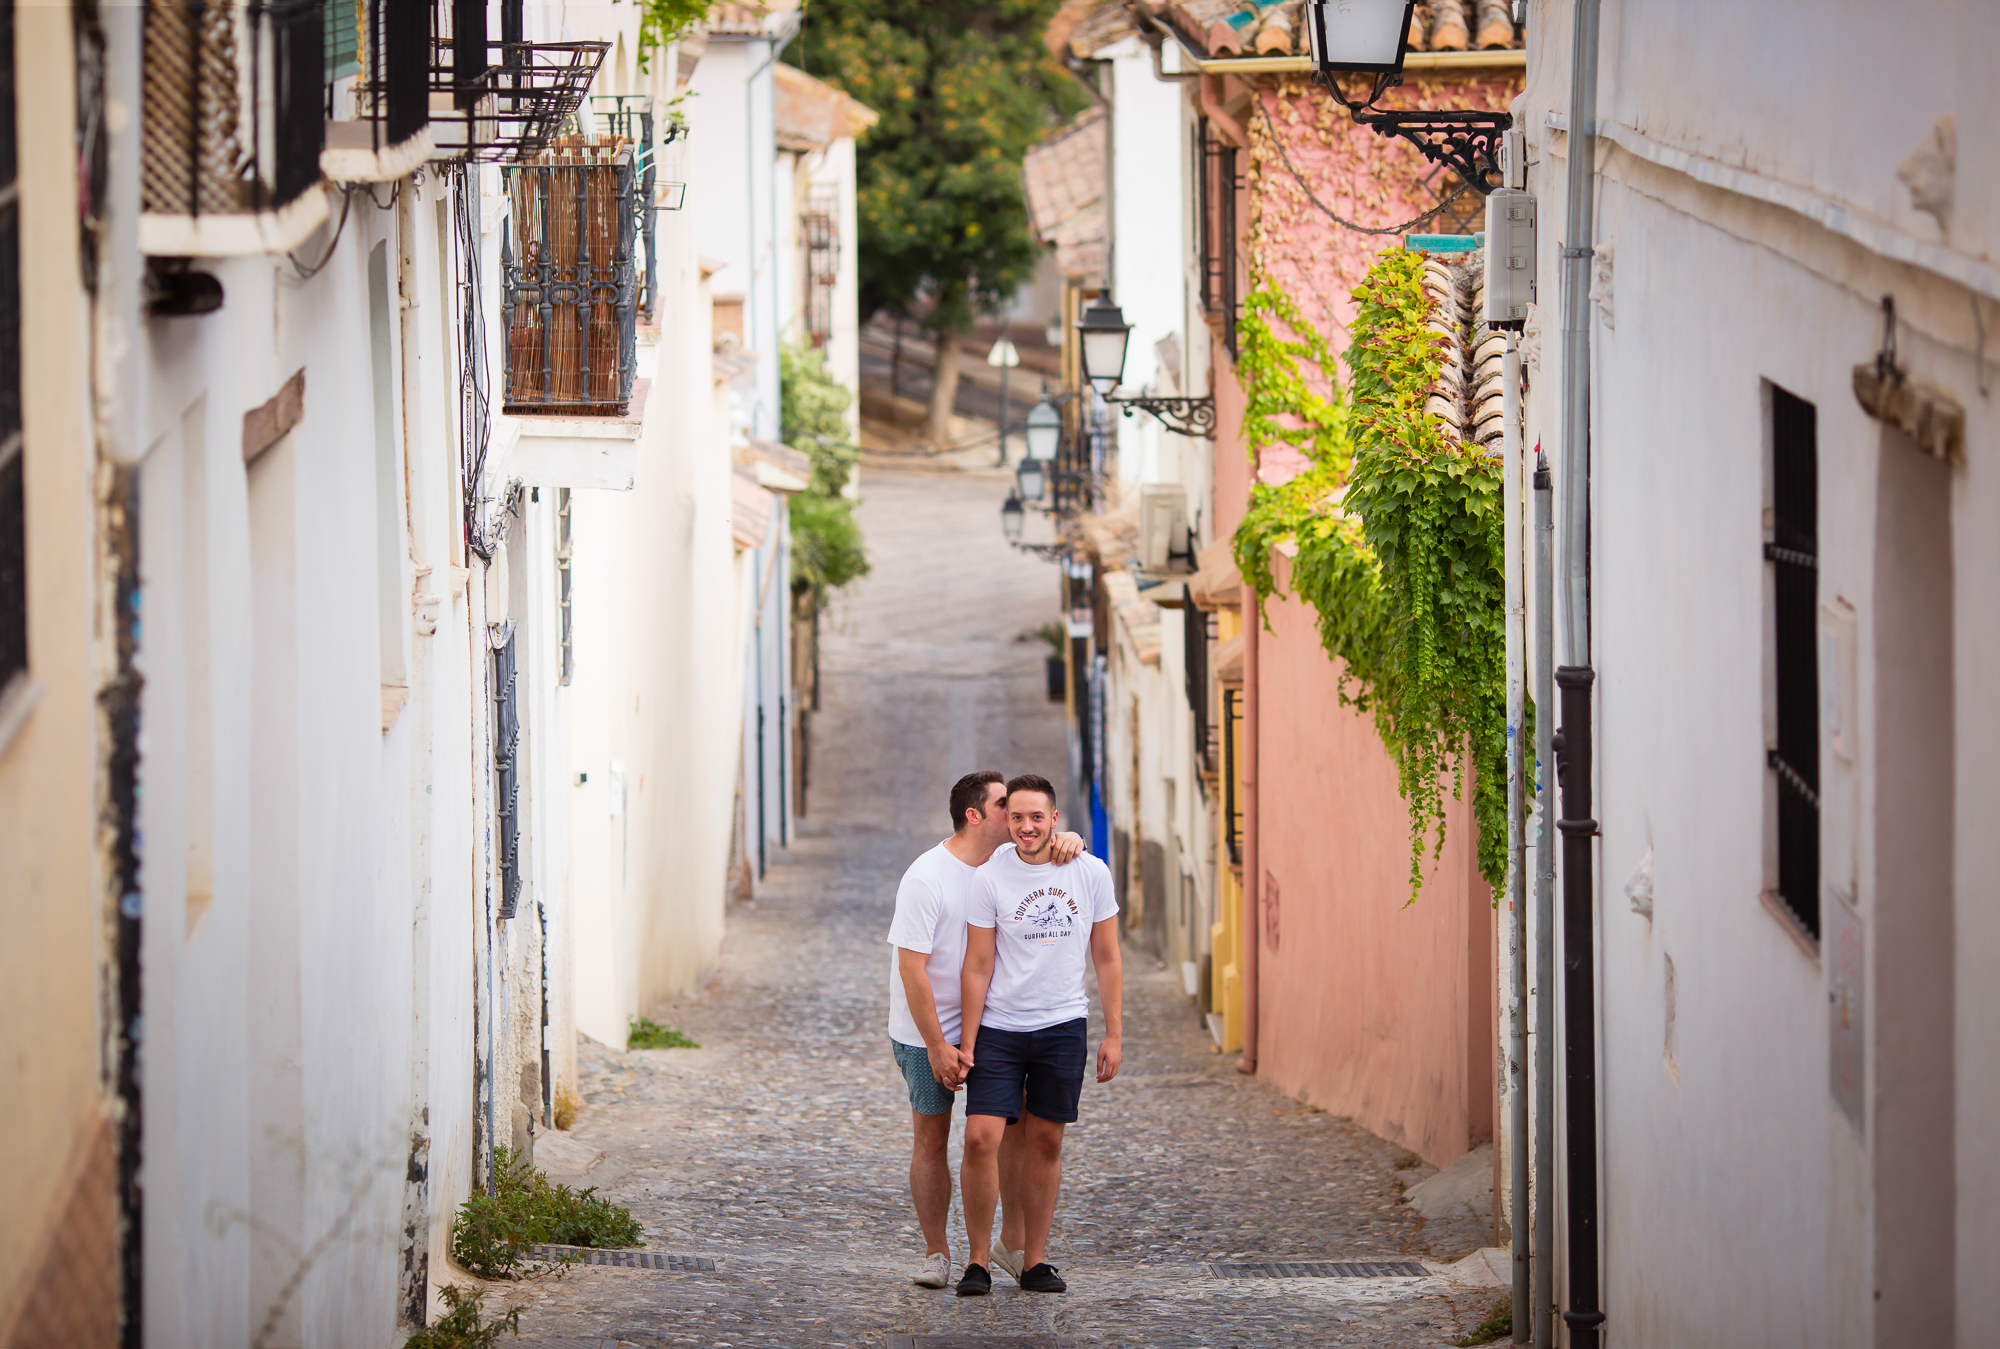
{"points": [[1346, 224], [308, 273]]}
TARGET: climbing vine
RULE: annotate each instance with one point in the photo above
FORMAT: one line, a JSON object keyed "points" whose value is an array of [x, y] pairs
{"points": [[1394, 527]]}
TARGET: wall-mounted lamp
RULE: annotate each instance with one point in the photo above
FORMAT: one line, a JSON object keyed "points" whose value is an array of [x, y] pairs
{"points": [[1104, 334], [1371, 37]]}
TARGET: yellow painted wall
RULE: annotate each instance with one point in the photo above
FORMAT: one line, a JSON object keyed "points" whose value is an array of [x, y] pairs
{"points": [[1226, 934], [51, 909]]}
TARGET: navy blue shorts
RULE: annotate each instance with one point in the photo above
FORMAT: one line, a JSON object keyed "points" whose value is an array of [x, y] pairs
{"points": [[1039, 1069]]}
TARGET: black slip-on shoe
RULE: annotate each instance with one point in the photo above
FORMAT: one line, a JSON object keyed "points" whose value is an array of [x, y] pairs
{"points": [[1044, 1279], [976, 1282]]}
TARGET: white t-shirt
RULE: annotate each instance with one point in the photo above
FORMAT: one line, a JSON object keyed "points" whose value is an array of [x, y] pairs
{"points": [[930, 917], [1043, 916]]}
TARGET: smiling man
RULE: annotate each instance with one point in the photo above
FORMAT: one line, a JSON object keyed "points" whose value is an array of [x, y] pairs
{"points": [[1024, 1029], [928, 934]]}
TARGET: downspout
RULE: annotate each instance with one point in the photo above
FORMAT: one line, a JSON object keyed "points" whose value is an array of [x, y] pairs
{"points": [[1517, 913], [1253, 873], [1584, 1317], [1545, 908]]}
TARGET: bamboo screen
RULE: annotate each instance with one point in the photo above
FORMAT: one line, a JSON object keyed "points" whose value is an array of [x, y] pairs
{"points": [[570, 278]]}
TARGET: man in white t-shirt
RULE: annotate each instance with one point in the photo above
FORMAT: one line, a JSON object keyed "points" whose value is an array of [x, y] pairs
{"points": [[928, 934], [1025, 1022]]}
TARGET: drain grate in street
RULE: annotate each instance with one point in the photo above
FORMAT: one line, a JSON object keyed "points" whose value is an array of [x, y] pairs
{"points": [[684, 1264], [1322, 1269], [971, 1342]]}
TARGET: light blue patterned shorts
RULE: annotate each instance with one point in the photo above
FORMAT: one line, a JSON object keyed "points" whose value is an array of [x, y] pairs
{"points": [[928, 1096]]}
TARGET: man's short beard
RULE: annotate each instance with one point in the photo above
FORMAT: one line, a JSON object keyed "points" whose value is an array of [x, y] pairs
{"points": [[1047, 840]]}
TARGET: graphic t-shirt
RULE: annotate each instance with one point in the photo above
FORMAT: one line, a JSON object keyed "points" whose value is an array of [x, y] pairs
{"points": [[930, 917], [1042, 916]]}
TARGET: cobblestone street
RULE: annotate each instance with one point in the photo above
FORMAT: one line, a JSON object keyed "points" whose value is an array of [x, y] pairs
{"points": [[778, 1149]]}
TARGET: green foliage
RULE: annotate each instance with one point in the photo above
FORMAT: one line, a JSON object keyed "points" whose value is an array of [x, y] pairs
{"points": [[460, 1328], [645, 1033], [827, 548], [1397, 526], [522, 1208], [663, 21], [1052, 632], [963, 88], [812, 416]]}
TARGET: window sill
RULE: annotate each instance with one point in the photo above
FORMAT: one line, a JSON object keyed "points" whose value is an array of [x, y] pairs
{"points": [[1789, 921], [17, 704]]}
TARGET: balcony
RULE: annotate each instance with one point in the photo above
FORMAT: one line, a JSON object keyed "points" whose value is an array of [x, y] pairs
{"points": [[233, 123], [385, 45], [506, 100], [569, 283]]}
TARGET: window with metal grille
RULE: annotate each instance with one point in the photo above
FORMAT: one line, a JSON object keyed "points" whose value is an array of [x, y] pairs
{"points": [[13, 502], [234, 113], [1232, 800], [819, 240], [1194, 633], [507, 772], [564, 614], [1792, 553], [1216, 185]]}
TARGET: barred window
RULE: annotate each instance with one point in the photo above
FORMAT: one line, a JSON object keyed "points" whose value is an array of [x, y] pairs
{"points": [[1792, 752]]}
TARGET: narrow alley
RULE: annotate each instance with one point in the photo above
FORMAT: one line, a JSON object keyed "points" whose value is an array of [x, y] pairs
{"points": [[778, 1149]]}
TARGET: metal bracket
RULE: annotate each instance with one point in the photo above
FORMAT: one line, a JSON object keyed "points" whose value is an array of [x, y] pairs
{"points": [[1465, 140], [1188, 416]]}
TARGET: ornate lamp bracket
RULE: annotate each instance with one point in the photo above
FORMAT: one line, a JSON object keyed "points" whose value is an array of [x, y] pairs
{"points": [[1466, 140], [1188, 416]]}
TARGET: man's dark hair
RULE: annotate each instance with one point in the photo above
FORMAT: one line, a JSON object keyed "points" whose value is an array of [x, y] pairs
{"points": [[1032, 782], [969, 793]]}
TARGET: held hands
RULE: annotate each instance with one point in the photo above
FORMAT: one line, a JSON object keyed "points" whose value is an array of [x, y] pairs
{"points": [[949, 1066], [1065, 847], [1109, 1055]]}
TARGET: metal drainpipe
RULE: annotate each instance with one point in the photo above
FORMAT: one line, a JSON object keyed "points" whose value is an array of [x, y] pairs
{"points": [[1545, 907], [1253, 873], [1584, 1317], [1517, 915]]}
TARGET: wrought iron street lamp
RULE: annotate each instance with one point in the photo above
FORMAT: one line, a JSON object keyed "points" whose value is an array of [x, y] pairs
{"points": [[1371, 37], [1103, 336], [1012, 517], [1030, 480]]}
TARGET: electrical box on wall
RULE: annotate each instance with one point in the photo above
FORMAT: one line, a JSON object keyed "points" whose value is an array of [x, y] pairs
{"points": [[1163, 527], [1510, 257]]}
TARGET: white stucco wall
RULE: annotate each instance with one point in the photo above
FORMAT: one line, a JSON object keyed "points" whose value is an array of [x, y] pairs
{"points": [[1749, 222]]}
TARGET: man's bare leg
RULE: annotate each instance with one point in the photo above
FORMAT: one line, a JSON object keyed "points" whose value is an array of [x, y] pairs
{"points": [[1041, 1178], [930, 1179], [979, 1181], [1013, 1150]]}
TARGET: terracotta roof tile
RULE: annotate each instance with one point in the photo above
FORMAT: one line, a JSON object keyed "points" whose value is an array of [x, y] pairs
{"points": [[1064, 177], [811, 114]]}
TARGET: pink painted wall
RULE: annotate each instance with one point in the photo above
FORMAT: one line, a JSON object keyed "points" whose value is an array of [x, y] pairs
{"points": [[1369, 1006]]}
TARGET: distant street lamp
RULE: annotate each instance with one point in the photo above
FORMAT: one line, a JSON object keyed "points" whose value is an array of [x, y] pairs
{"points": [[1103, 336], [1371, 37], [1032, 482], [1012, 516], [1044, 430]]}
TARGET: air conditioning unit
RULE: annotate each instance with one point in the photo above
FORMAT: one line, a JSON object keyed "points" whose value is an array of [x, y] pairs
{"points": [[1163, 528]]}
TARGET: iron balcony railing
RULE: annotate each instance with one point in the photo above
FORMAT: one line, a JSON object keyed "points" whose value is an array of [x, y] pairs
{"points": [[233, 104], [569, 280], [630, 117], [506, 100]]}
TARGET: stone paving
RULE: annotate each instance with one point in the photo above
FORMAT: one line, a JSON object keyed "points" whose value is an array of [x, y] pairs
{"points": [[779, 1148]]}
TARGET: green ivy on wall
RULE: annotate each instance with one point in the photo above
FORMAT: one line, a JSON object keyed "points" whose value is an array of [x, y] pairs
{"points": [[1395, 529]]}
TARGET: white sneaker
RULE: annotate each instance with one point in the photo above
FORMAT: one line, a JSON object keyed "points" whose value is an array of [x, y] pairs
{"points": [[1008, 1260], [936, 1272]]}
